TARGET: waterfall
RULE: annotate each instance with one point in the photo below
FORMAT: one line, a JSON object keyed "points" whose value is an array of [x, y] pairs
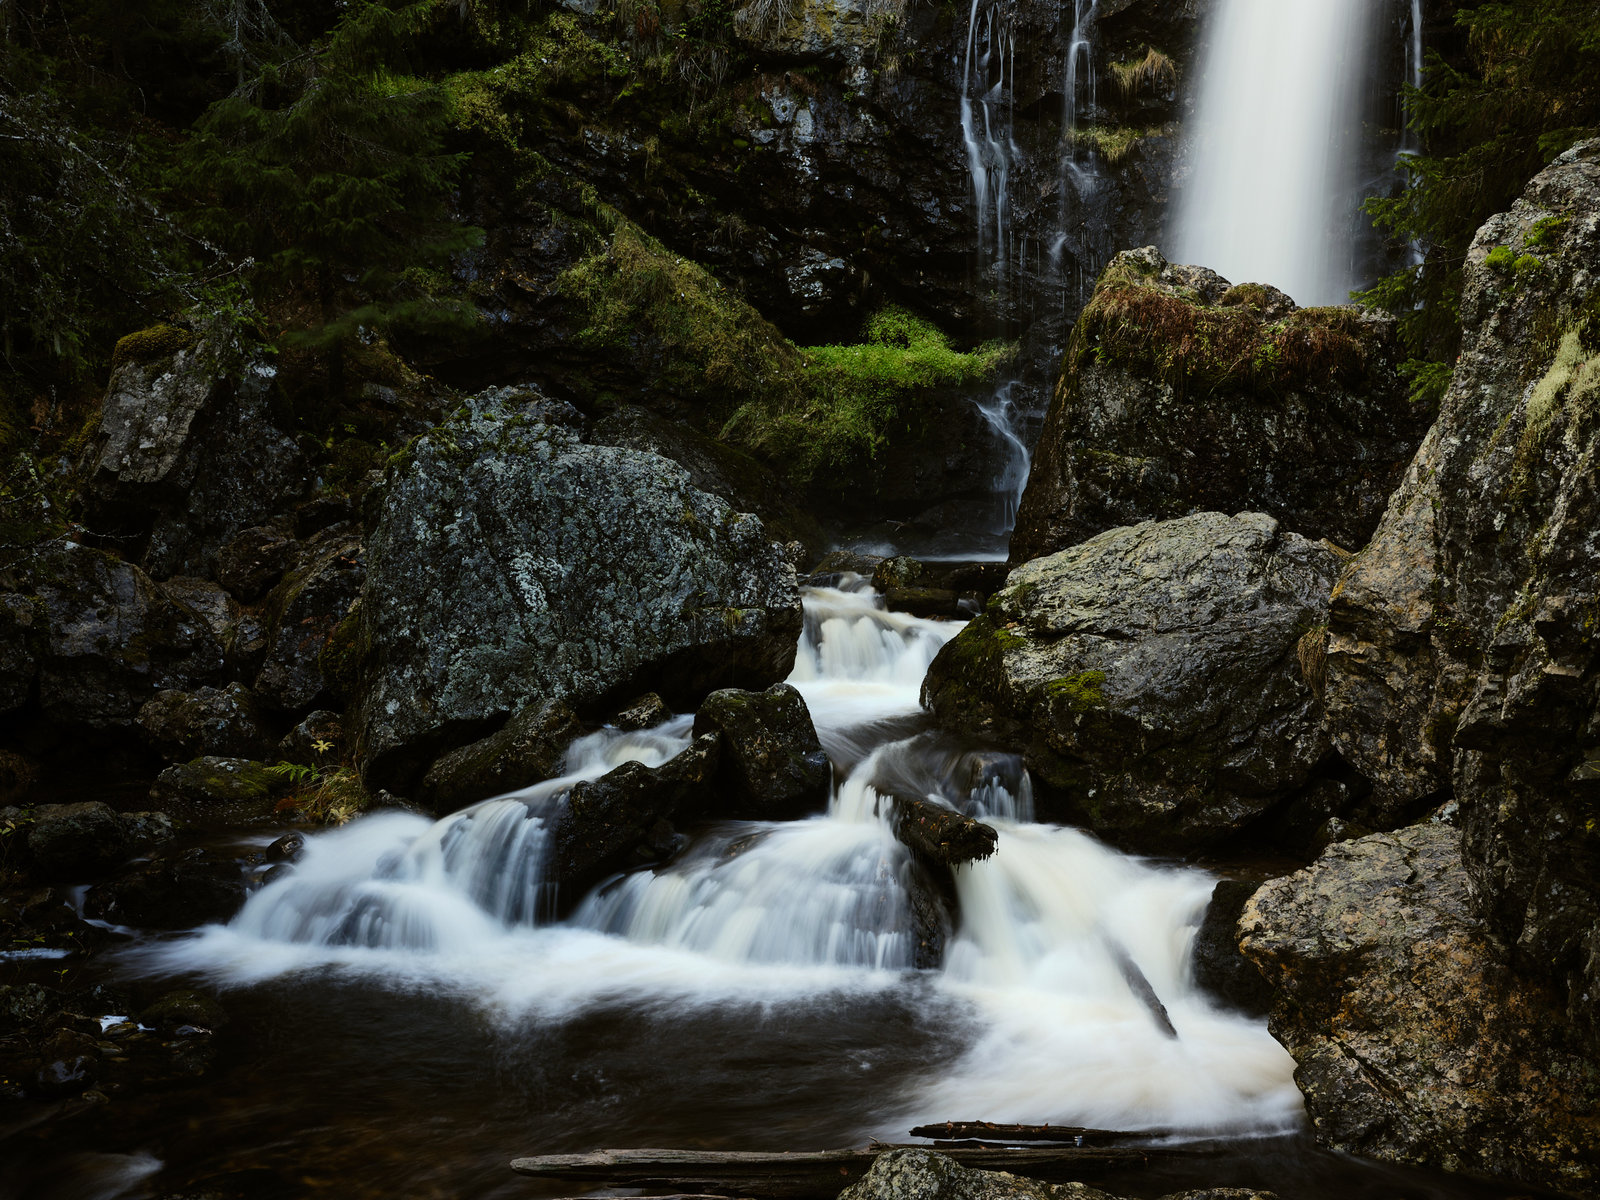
{"points": [[987, 76], [1272, 196], [1409, 143], [816, 916]]}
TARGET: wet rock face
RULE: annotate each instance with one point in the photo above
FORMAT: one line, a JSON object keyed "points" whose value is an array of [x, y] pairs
{"points": [[1180, 393], [302, 612], [1412, 1042], [773, 767], [512, 560], [529, 748], [100, 639], [1461, 653], [1151, 674], [187, 455]]}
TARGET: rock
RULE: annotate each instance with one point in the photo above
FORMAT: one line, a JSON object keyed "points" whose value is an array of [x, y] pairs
{"points": [[187, 455], [110, 638], [773, 767], [1219, 967], [147, 829], [21, 646], [302, 614], [182, 890], [530, 747], [1179, 394], [647, 711], [184, 1006], [70, 841], [511, 560], [926, 1175], [625, 819], [1412, 1042], [1151, 675], [929, 602], [1461, 656], [217, 790], [318, 741], [940, 837], [253, 562], [900, 572], [209, 721], [17, 775], [828, 572], [286, 849]]}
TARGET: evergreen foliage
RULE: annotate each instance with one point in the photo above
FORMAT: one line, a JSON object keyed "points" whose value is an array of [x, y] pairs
{"points": [[1529, 89]]}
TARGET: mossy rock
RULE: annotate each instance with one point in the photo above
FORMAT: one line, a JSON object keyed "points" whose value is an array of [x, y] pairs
{"points": [[150, 345]]}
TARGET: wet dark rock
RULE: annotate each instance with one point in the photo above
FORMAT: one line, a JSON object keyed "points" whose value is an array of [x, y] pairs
{"points": [[828, 571], [302, 613], [26, 1005], [179, 890], [288, 848], [253, 562], [208, 721], [187, 455], [1151, 676], [107, 639], [184, 1006], [646, 712], [901, 571], [1413, 1042], [17, 775], [628, 818], [928, 1175], [215, 789], [147, 829], [1219, 967], [929, 602], [71, 841], [22, 626], [1179, 394], [773, 767], [940, 837], [530, 747], [511, 560], [1461, 656], [317, 741]]}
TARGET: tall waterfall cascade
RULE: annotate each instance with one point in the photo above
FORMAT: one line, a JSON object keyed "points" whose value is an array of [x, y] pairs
{"points": [[815, 915], [1273, 195]]}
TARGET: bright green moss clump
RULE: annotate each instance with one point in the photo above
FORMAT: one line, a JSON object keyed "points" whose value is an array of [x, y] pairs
{"points": [[1081, 692], [151, 344]]}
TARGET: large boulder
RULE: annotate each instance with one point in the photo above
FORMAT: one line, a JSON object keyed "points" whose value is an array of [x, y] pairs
{"points": [[187, 453], [1180, 393], [773, 766], [1151, 676], [1461, 652], [1412, 1042], [223, 721], [100, 639], [512, 560]]}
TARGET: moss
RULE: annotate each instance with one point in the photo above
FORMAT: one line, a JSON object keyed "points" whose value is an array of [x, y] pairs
{"points": [[1500, 258], [1545, 234], [1572, 381], [1246, 295], [1113, 143], [1081, 692], [342, 657], [149, 345]]}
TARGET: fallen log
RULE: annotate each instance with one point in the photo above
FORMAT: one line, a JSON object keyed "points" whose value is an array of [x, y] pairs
{"points": [[991, 1131], [939, 836], [815, 1174]]}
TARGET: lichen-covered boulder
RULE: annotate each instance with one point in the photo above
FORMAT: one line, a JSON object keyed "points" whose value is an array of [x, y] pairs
{"points": [[1151, 676], [301, 616], [773, 766], [928, 1175], [528, 748], [187, 454], [223, 721], [1462, 655], [100, 639], [512, 560], [1179, 393], [1412, 1042]]}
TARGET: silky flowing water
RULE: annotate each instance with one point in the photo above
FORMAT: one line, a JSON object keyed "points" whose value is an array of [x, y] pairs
{"points": [[408, 1016]]}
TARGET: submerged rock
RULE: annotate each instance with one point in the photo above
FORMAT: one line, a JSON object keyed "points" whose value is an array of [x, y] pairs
{"points": [[773, 767], [1151, 676], [512, 560], [625, 819], [1413, 1043], [529, 748], [1461, 651], [1180, 393]]}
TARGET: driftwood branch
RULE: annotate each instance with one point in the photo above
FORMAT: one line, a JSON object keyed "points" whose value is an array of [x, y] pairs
{"points": [[993, 1131], [804, 1175]]}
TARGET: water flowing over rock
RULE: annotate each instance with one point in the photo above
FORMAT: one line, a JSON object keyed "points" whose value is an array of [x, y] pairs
{"points": [[529, 748], [1180, 393], [1151, 673], [511, 561], [1413, 1041], [1461, 655]]}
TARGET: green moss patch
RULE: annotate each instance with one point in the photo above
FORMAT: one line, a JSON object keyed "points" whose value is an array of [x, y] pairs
{"points": [[150, 345], [1081, 692]]}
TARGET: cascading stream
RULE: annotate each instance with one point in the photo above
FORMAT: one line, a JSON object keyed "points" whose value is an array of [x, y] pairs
{"points": [[1272, 197], [819, 912]]}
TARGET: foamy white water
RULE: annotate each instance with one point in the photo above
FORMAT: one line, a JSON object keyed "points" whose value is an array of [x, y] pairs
{"points": [[818, 911], [1271, 195]]}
